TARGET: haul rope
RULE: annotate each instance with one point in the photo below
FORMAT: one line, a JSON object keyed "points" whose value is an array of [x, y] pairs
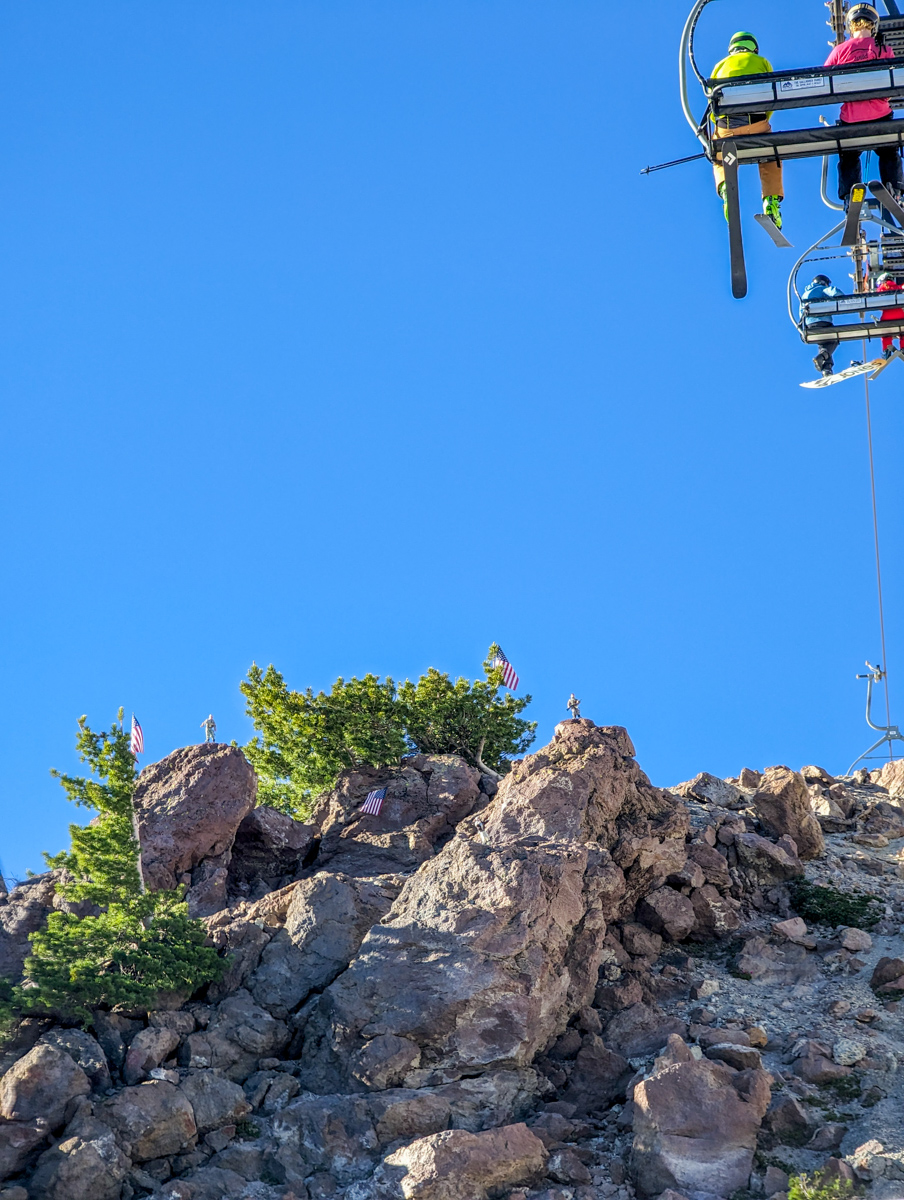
{"points": [[872, 480]]}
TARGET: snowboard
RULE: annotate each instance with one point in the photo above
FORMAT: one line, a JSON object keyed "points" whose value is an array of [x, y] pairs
{"points": [[773, 230], [848, 373], [887, 363]]}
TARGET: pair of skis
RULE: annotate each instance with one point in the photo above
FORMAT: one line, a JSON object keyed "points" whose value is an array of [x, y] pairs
{"points": [[875, 365], [857, 199]]}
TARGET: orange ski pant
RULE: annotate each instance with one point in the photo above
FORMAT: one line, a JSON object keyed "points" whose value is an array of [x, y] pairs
{"points": [[770, 172]]}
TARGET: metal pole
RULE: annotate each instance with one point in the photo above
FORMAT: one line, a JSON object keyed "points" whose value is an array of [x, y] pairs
{"points": [[684, 56]]}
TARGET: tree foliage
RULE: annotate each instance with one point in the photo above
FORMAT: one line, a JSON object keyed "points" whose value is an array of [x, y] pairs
{"points": [[134, 945], [304, 740]]}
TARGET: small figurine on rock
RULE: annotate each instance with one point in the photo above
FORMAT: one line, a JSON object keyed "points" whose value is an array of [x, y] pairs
{"points": [[210, 729], [574, 707]]}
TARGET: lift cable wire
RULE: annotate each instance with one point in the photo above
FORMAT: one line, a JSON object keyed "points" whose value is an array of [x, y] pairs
{"points": [[872, 480]]}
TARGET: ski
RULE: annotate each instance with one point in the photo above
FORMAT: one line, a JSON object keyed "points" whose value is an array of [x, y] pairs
{"points": [[887, 363], [848, 373], [852, 221], [887, 200], [773, 230], [735, 236]]}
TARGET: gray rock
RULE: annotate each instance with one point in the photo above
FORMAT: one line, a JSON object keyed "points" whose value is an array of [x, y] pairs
{"points": [[152, 1120], [84, 1050], [148, 1049], [85, 1166], [457, 1165], [238, 1036], [641, 1030], [215, 1101], [40, 1085]]}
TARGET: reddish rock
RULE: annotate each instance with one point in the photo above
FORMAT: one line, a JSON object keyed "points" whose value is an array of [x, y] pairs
{"points": [[457, 1165], [189, 806], [782, 803], [667, 912], [695, 1127]]}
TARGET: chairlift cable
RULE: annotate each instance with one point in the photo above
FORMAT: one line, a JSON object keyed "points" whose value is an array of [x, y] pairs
{"points": [[872, 479]]}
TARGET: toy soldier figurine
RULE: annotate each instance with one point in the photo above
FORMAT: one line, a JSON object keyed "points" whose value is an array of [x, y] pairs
{"points": [[210, 728], [574, 707]]}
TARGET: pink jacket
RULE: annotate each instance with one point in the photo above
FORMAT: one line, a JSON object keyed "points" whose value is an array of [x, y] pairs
{"points": [[858, 50]]}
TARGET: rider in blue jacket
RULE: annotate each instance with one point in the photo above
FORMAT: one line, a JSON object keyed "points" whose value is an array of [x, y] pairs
{"points": [[822, 288]]}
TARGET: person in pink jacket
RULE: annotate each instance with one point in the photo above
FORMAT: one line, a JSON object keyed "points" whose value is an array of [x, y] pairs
{"points": [[861, 46]]}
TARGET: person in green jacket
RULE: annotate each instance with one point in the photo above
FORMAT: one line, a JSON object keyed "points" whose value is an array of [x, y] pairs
{"points": [[744, 58]]}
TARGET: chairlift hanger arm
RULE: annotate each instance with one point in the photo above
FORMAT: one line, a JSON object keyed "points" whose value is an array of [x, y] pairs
{"points": [[685, 56]]}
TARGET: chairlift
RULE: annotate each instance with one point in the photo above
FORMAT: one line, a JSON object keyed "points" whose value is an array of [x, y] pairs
{"points": [[805, 87], [879, 249]]}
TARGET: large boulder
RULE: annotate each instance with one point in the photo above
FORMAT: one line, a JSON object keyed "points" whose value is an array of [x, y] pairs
{"points": [[493, 945], [152, 1120], [188, 807], [667, 912], [40, 1086], [709, 789], [326, 922], [148, 1049], [695, 1127], [86, 1164], [782, 803], [763, 863], [457, 1165], [891, 777], [84, 1050], [215, 1101], [599, 1077]]}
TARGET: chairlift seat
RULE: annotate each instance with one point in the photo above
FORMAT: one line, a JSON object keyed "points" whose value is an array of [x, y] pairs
{"points": [[862, 331]]}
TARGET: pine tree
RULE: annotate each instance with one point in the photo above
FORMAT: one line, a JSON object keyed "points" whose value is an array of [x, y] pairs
{"points": [[137, 944], [305, 740]]}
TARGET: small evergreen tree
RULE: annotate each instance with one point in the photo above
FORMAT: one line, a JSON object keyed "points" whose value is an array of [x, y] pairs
{"points": [[304, 740], [139, 944]]}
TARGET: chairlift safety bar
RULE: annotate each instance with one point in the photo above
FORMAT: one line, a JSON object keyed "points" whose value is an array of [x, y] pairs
{"points": [[808, 88]]}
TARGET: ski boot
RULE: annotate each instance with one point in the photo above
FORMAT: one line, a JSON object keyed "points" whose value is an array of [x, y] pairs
{"points": [[772, 208], [723, 196], [889, 353], [823, 362]]}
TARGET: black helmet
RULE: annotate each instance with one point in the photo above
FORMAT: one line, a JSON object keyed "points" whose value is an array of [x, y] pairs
{"points": [[823, 280], [862, 12], [746, 41]]}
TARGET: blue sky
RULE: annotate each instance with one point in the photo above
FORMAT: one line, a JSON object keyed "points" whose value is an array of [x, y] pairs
{"points": [[346, 335]]}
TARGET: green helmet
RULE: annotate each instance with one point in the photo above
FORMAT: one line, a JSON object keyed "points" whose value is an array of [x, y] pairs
{"points": [[743, 41]]}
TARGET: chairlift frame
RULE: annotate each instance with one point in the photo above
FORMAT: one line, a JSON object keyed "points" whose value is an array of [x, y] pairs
{"points": [[806, 87], [890, 733]]}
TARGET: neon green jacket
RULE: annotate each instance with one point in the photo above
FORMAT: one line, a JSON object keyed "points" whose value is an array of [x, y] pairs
{"points": [[742, 64]]}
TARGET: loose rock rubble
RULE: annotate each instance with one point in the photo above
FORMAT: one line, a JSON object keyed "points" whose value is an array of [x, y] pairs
{"points": [[570, 985]]}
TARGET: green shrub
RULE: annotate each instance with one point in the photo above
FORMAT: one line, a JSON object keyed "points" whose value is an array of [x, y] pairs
{"points": [[304, 741], [827, 906], [816, 1187], [139, 943]]}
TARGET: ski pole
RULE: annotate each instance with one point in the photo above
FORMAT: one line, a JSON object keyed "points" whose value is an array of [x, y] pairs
{"points": [[675, 163]]}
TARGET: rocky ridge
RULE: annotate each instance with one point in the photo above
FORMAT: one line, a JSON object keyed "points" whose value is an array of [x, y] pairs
{"points": [[568, 985]]}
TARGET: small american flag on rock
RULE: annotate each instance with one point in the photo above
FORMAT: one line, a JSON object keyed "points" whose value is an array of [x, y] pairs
{"points": [[509, 677], [137, 745], [374, 801]]}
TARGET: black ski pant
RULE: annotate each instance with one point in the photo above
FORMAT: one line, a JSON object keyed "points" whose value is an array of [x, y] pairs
{"points": [[824, 359], [890, 171]]}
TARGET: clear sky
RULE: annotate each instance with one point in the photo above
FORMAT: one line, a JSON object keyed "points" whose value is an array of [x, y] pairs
{"points": [[346, 335]]}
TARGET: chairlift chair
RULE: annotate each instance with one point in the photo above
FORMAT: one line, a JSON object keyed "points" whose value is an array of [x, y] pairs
{"points": [[806, 87]]}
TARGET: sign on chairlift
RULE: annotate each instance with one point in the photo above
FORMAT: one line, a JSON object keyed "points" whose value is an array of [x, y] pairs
{"points": [[802, 83]]}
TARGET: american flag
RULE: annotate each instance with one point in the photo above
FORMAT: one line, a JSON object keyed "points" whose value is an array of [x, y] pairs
{"points": [[509, 678], [374, 801], [137, 746]]}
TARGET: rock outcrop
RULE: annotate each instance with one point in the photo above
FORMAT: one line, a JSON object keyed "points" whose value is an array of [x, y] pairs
{"points": [[530, 989], [189, 807]]}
